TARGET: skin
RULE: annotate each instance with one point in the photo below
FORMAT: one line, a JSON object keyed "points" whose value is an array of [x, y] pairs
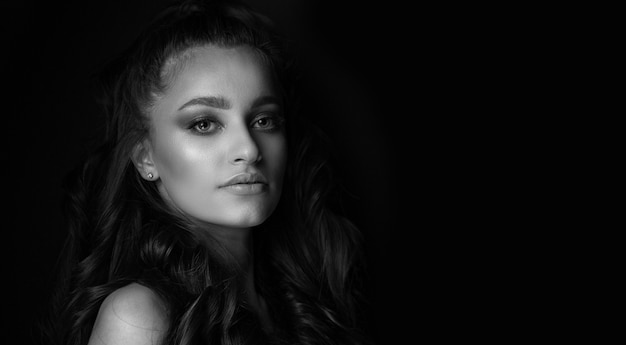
{"points": [[194, 151], [220, 116], [131, 315]]}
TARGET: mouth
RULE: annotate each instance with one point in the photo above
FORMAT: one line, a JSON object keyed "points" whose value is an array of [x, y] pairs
{"points": [[245, 184], [245, 178]]}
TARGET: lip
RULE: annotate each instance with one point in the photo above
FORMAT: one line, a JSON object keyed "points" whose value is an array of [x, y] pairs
{"points": [[245, 184]]}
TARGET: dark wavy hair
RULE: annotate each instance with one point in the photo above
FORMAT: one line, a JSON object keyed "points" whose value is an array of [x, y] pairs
{"points": [[121, 231]]}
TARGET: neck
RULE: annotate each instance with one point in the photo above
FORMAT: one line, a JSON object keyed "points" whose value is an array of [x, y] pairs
{"points": [[239, 244]]}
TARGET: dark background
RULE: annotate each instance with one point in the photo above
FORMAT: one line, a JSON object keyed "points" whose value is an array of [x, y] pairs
{"points": [[368, 60], [432, 110]]}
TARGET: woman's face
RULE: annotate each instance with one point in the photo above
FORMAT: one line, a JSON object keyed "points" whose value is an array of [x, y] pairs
{"points": [[217, 143]]}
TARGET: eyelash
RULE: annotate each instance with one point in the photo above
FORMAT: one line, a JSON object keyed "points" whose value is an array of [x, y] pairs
{"points": [[195, 124], [275, 120]]}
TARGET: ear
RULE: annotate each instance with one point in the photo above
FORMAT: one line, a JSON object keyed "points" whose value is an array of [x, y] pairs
{"points": [[142, 159]]}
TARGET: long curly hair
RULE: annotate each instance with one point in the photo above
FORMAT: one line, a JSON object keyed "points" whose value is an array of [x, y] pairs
{"points": [[120, 230]]}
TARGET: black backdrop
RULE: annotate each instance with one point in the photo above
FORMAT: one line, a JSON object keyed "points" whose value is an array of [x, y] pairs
{"points": [[50, 48], [428, 106]]}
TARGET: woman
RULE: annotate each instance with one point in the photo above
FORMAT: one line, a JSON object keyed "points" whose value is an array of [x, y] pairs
{"points": [[204, 217]]}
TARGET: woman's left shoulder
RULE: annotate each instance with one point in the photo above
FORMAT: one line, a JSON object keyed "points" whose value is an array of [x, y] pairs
{"points": [[133, 314]]}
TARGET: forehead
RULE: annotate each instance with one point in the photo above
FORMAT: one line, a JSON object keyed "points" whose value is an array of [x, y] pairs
{"points": [[210, 62], [240, 74]]}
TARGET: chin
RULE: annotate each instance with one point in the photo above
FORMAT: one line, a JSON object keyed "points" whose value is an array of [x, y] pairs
{"points": [[242, 219], [238, 214], [249, 220], [249, 215]]}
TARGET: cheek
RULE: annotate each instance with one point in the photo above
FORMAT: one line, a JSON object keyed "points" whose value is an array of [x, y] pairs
{"points": [[274, 151], [189, 172], [184, 164]]}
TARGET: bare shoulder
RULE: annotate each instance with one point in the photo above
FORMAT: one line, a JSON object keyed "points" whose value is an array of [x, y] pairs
{"points": [[132, 314]]}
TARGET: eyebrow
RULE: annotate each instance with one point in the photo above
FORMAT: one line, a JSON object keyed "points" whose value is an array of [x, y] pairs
{"points": [[209, 101], [266, 100], [223, 103]]}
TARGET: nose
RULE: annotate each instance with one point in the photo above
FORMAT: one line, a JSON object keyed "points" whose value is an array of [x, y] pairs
{"points": [[244, 148]]}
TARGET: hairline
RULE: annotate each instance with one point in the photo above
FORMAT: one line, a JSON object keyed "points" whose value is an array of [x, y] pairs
{"points": [[176, 62]]}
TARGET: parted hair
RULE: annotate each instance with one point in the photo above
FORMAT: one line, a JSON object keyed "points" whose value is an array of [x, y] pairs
{"points": [[121, 231]]}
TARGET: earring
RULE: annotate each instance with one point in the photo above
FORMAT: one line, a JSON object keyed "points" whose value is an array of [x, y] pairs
{"points": [[150, 176]]}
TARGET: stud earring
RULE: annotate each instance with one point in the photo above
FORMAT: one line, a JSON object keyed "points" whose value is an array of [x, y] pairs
{"points": [[150, 176]]}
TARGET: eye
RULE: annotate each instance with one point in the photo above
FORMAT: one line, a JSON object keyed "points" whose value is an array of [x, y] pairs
{"points": [[267, 122], [204, 126]]}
